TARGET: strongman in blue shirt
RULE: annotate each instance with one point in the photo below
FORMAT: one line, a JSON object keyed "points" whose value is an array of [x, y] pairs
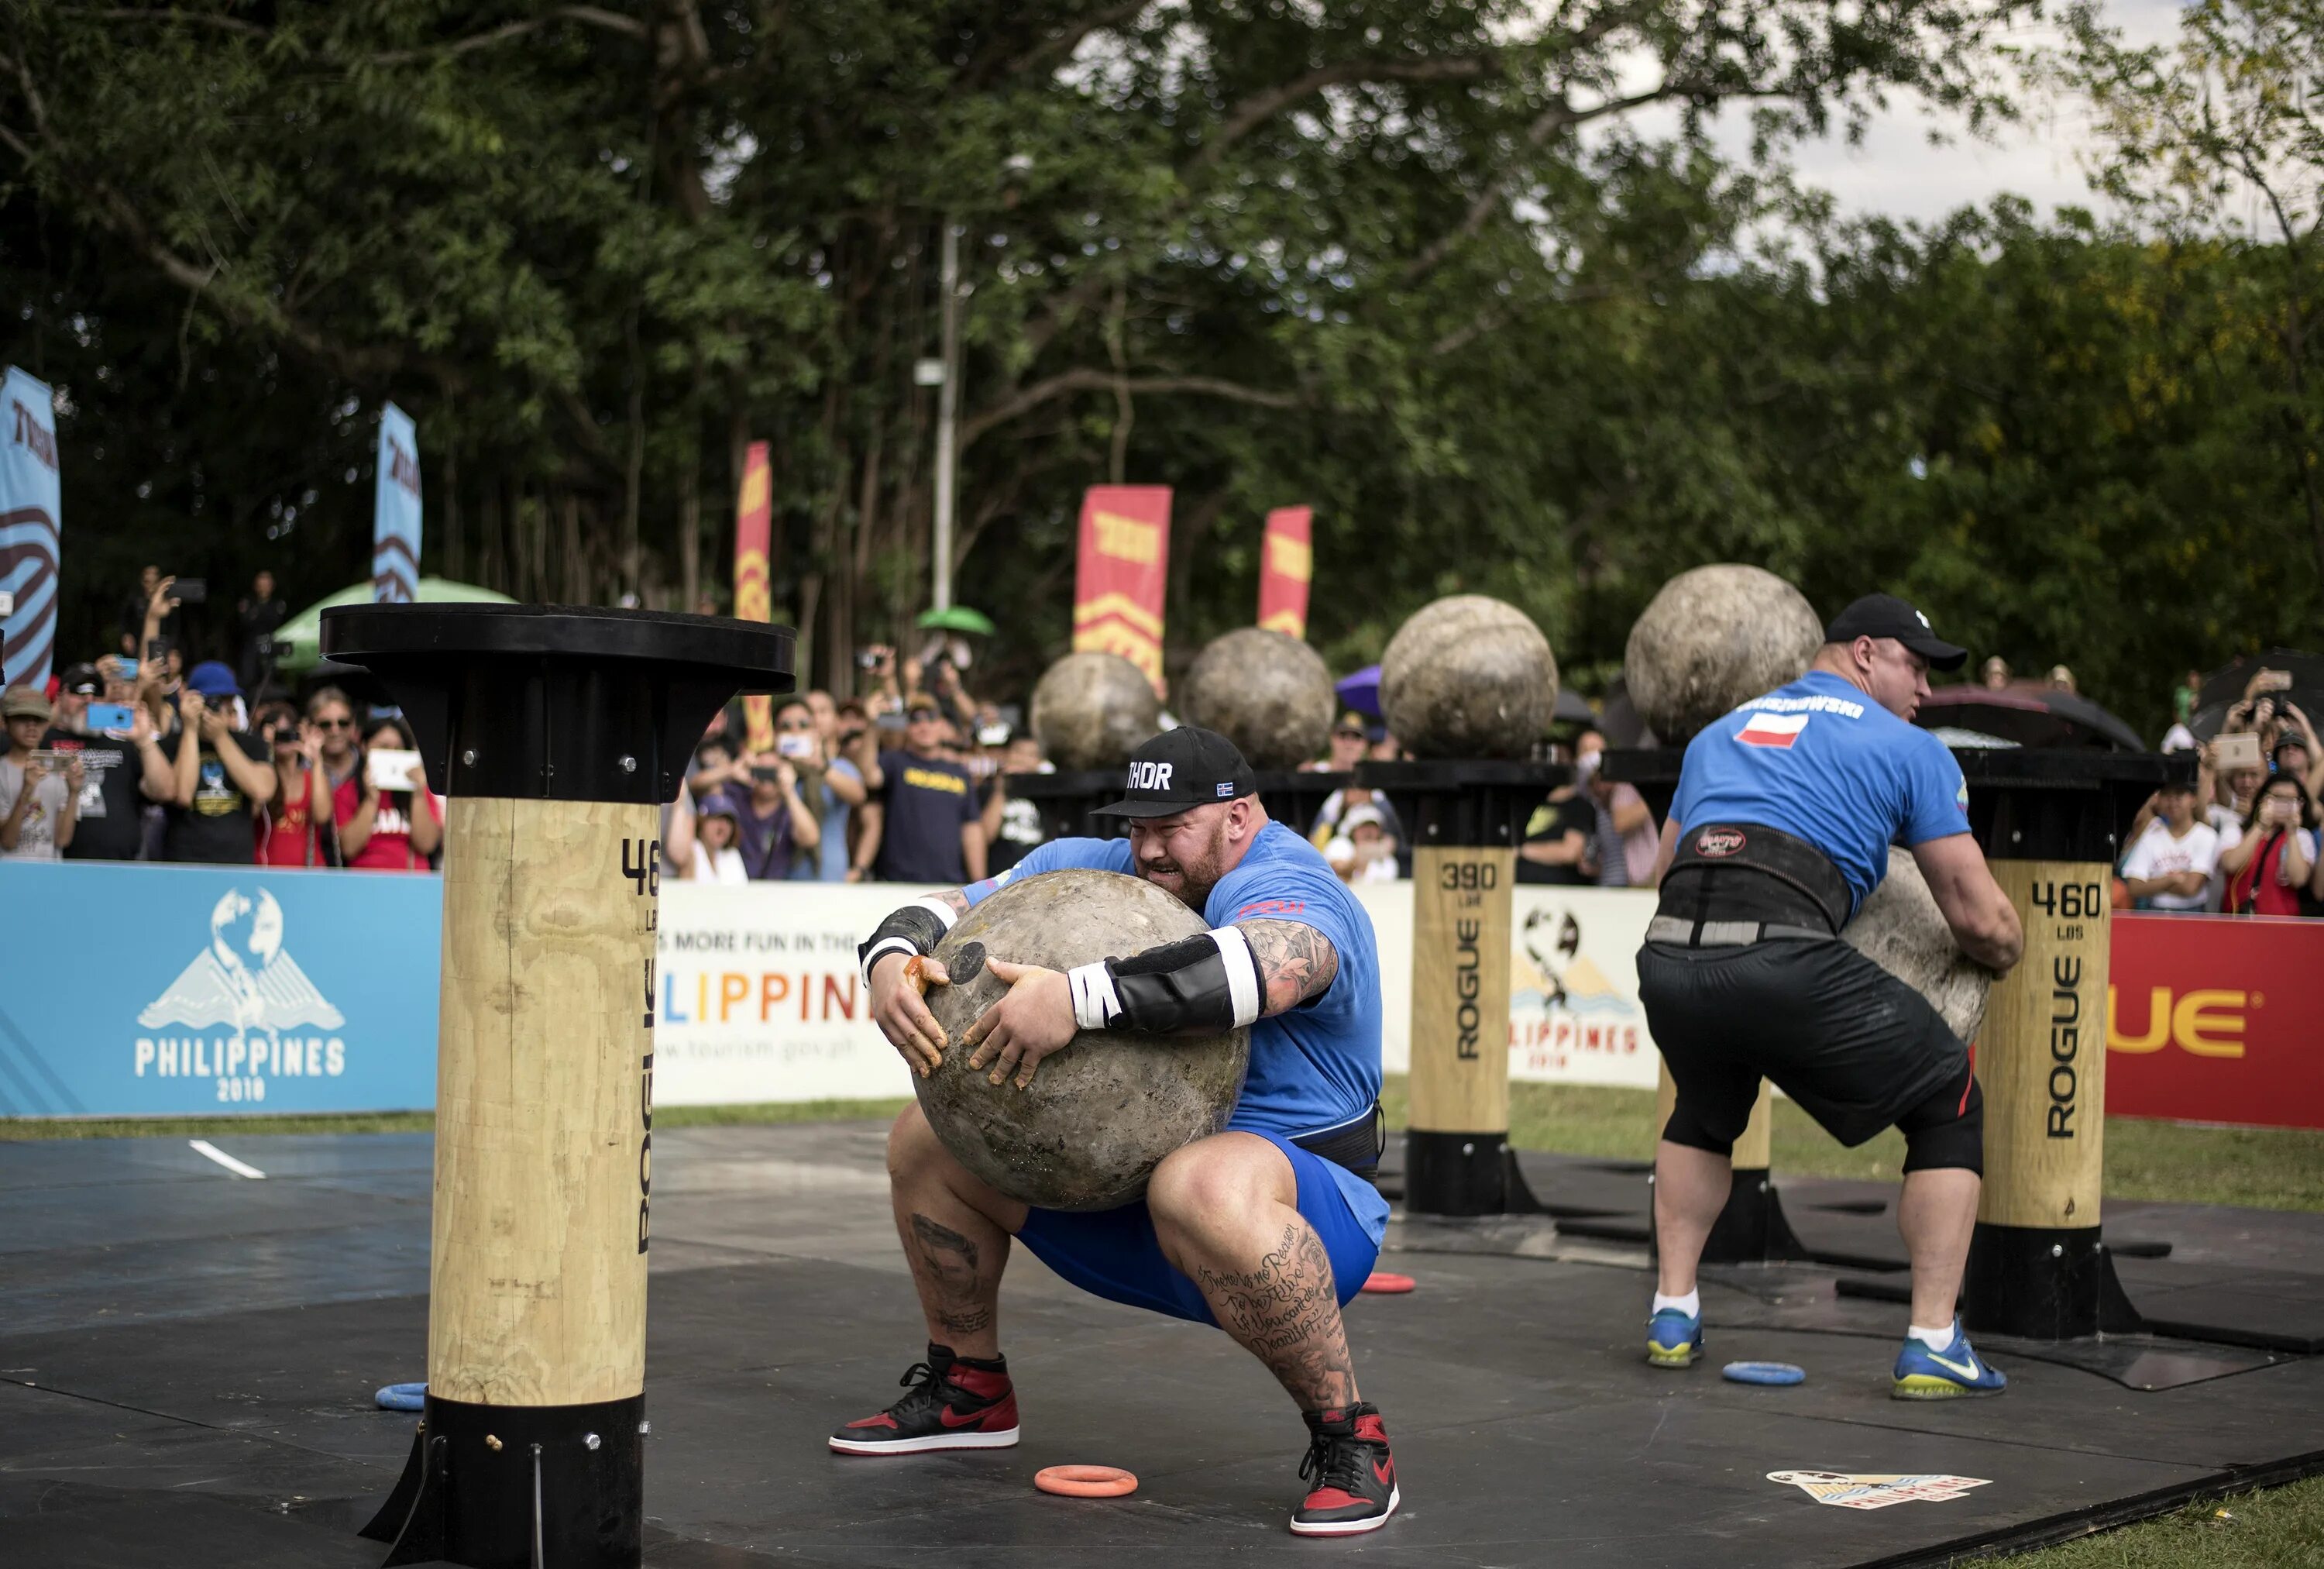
{"points": [[1780, 830], [1265, 1230]]}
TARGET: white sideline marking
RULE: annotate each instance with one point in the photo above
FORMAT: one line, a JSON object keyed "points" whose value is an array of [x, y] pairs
{"points": [[203, 1147]]}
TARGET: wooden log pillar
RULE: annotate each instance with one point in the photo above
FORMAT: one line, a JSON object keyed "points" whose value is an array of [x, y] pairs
{"points": [[1464, 820], [557, 734], [2048, 822]]}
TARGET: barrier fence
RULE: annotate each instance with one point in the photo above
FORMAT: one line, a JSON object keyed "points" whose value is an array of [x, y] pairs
{"points": [[177, 990]]}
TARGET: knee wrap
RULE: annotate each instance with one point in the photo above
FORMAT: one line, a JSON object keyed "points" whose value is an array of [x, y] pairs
{"points": [[1688, 1127], [1947, 1131]]}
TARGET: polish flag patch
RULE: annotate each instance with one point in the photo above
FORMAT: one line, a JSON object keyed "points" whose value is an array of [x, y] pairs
{"points": [[1775, 730]]}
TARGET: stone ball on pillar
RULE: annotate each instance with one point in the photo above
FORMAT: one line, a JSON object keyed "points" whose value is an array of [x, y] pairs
{"points": [[1712, 638], [1901, 929], [1468, 677], [1266, 691], [1093, 710], [1102, 1113]]}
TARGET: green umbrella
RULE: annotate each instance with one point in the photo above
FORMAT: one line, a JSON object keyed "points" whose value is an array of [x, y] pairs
{"points": [[958, 618], [298, 643]]}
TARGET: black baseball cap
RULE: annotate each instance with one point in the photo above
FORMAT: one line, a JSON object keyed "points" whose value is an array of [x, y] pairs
{"points": [[1886, 615], [1180, 770], [82, 680]]}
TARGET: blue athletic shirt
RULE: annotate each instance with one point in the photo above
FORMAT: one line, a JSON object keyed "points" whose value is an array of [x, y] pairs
{"points": [[1316, 1066], [1823, 762]]}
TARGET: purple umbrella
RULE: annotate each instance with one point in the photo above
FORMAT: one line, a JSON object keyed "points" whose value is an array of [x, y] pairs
{"points": [[1361, 691]]}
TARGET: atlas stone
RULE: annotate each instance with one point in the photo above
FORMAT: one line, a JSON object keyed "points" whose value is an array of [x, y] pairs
{"points": [[1468, 677], [1901, 929], [1713, 638], [1102, 1113], [1266, 691], [1093, 710]]}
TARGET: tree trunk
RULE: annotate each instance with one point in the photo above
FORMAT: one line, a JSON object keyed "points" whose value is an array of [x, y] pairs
{"points": [[689, 535]]}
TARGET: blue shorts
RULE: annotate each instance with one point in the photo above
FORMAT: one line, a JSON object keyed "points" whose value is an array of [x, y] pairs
{"points": [[1113, 1253]]}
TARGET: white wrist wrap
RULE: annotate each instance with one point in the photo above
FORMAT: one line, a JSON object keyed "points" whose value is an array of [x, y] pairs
{"points": [[1095, 1005], [1242, 973]]}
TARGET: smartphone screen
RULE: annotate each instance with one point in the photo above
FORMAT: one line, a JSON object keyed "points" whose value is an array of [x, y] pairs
{"points": [[2239, 749]]}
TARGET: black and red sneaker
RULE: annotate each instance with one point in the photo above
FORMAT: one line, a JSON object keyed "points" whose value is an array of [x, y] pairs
{"points": [[1353, 1472], [955, 1403]]}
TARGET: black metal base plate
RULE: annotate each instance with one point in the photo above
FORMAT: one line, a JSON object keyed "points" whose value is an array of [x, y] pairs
{"points": [[520, 1487]]}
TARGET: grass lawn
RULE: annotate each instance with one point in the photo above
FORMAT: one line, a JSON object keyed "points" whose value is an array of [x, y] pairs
{"points": [[2267, 1168]]}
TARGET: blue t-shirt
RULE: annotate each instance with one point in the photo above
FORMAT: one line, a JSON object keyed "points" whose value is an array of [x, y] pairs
{"points": [[1317, 1065], [1823, 762]]}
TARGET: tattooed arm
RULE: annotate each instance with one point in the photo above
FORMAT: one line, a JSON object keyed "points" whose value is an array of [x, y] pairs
{"points": [[1296, 962]]}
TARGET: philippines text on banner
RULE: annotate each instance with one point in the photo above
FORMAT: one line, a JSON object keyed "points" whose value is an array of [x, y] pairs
{"points": [[754, 514], [395, 511], [1119, 576], [1287, 564], [31, 504]]}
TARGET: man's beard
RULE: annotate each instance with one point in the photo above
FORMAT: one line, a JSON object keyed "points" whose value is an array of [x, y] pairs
{"points": [[1195, 878]]}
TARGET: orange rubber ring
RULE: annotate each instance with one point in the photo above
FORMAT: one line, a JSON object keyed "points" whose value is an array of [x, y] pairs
{"points": [[1382, 1284], [1085, 1482]]}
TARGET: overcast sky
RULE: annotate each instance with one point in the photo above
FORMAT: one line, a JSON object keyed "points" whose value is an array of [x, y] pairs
{"points": [[1896, 172]]}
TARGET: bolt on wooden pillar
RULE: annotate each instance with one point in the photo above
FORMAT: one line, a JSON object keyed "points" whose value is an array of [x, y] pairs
{"points": [[558, 733], [1752, 1228], [2048, 822], [1464, 820]]}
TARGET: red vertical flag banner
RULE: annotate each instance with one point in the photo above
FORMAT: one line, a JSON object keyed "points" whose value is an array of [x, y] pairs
{"points": [[755, 513], [1120, 573], [1286, 562]]}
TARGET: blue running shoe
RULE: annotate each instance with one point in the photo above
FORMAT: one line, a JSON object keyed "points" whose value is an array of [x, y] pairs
{"points": [[1923, 1374], [1673, 1339]]}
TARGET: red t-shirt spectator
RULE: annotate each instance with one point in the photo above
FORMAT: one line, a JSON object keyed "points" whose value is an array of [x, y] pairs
{"points": [[286, 829], [389, 848]]}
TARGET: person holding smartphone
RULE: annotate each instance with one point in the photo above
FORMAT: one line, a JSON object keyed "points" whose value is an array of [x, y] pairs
{"points": [[775, 822], [220, 780], [2275, 859], [106, 735], [39, 797], [290, 827], [388, 818]]}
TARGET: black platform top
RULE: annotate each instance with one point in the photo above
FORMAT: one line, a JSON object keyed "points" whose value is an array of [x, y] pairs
{"points": [[572, 703], [1471, 802]]}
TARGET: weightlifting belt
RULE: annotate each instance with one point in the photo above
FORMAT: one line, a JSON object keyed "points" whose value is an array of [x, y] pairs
{"points": [[1744, 882], [1355, 1144]]}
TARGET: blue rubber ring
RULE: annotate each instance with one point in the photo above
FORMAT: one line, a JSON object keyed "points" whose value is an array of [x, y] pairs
{"points": [[402, 1397], [1764, 1373]]}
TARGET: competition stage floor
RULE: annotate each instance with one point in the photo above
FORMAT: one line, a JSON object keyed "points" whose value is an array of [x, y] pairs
{"points": [[187, 1360]]}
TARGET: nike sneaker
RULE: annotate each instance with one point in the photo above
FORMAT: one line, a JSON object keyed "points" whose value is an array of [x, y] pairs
{"points": [[1947, 1374], [1353, 1474], [1673, 1339], [952, 1403]]}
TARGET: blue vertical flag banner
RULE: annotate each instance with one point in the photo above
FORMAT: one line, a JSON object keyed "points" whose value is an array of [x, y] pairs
{"points": [[395, 513], [32, 502]]}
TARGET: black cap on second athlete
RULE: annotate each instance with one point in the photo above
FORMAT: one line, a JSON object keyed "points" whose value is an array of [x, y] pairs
{"points": [[1180, 770], [1886, 615]]}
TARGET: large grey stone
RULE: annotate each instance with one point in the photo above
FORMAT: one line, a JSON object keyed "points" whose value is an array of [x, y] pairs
{"points": [[1901, 929], [1468, 677], [1102, 1113], [1266, 691], [1093, 710], [1712, 638]]}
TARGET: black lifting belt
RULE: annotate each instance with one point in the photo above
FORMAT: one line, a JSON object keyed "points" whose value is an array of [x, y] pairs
{"points": [[1355, 1144], [1727, 873]]}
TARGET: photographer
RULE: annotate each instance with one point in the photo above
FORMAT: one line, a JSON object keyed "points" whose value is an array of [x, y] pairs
{"points": [[2267, 868], [112, 801], [877, 663], [221, 778], [40, 802], [778, 825], [382, 823], [291, 826]]}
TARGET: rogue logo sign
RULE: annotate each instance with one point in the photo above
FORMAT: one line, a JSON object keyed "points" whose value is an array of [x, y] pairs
{"points": [[1876, 1490], [246, 990]]}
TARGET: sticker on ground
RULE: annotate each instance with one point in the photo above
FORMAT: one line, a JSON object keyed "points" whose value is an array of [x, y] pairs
{"points": [[1876, 1492]]}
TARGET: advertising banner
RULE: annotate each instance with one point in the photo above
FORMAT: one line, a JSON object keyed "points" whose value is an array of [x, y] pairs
{"points": [[754, 516], [1574, 1017], [1121, 572], [31, 505], [1286, 563], [237, 989], [395, 511], [2214, 1019]]}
